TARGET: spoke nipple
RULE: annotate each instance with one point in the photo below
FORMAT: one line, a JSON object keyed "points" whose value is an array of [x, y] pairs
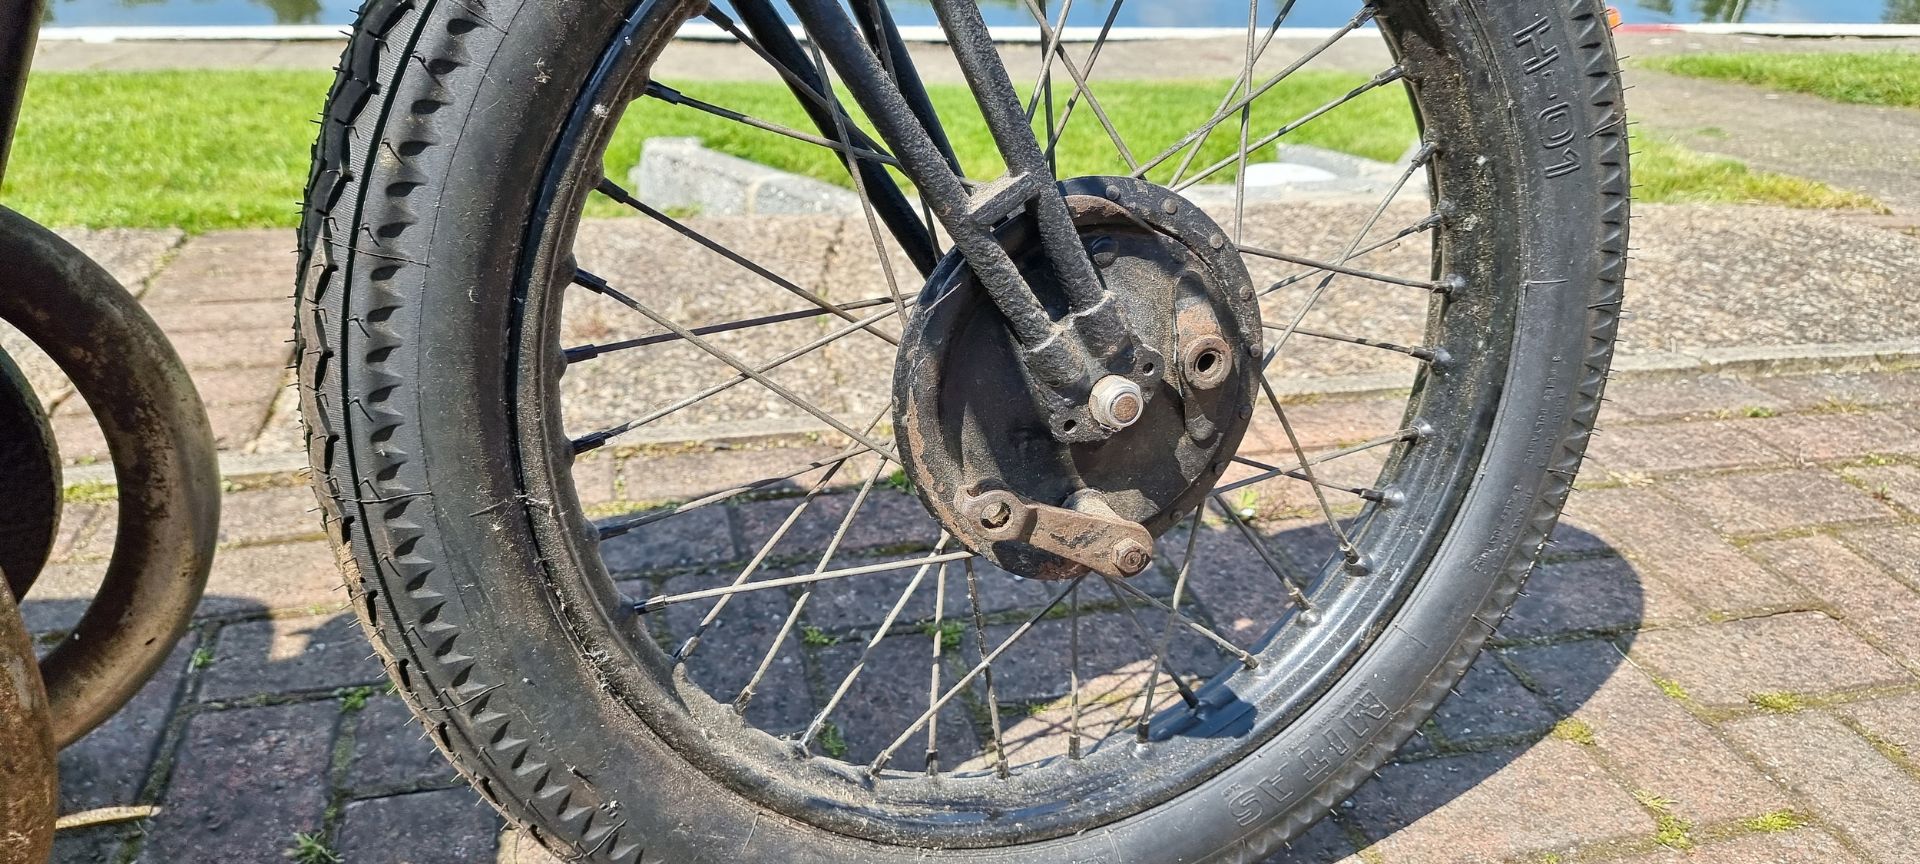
{"points": [[1454, 283]]}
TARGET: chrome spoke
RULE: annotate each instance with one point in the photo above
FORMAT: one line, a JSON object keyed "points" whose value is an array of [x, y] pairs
{"points": [[1381, 80], [1012, 639], [1344, 270], [1319, 492], [1432, 221], [670, 96], [1166, 635], [1246, 660], [1270, 472], [1295, 593], [662, 601], [886, 627], [600, 286], [1080, 84], [993, 699], [615, 529], [1229, 110]]}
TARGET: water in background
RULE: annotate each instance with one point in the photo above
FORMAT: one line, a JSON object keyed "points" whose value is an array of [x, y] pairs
{"points": [[1137, 13]]}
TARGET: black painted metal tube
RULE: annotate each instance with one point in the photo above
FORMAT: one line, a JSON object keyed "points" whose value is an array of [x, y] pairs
{"points": [[19, 29]]}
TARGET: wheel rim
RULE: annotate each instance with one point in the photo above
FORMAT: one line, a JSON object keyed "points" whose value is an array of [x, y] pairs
{"points": [[1096, 778]]}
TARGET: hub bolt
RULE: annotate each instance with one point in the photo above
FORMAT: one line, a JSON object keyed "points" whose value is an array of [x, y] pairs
{"points": [[1130, 557], [1117, 402]]}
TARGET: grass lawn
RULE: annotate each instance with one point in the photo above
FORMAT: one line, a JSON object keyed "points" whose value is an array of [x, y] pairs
{"points": [[1876, 78], [204, 150]]}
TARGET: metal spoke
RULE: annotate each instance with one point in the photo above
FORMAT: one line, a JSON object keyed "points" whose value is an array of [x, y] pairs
{"points": [[1246, 122], [760, 556], [1012, 639], [993, 699], [1220, 116], [1319, 493], [933, 685], [1080, 84], [1073, 674], [1279, 19], [1295, 593], [727, 357], [741, 701], [1166, 635], [1297, 474], [1384, 78], [886, 626], [616, 192], [590, 351], [1417, 352], [615, 529], [860, 187], [1344, 270], [1133, 617], [655, 604], [1044, 85], [1247, 660], [1057, 129], [1382, 441], [669, 95], [1432, 221], [1419, 162]]}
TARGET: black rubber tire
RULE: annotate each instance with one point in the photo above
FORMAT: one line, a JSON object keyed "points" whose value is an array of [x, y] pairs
{"points": [[443, 119]]}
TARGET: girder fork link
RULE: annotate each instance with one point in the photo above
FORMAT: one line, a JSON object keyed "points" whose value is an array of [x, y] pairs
{"points": [[1064, 359]]}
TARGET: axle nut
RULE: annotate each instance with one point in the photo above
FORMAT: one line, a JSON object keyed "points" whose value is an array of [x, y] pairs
{"points": [[1117, 402], [1130, 557], [1206, 362]]}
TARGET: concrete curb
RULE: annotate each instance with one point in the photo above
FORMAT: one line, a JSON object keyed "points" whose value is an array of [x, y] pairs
{"points": [[280, 468]]}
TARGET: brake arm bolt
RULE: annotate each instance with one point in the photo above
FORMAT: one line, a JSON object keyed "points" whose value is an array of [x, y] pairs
{"points": [[1130, 557]]}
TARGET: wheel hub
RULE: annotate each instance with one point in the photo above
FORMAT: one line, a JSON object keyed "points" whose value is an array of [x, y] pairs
{"points": [[977, 444]]}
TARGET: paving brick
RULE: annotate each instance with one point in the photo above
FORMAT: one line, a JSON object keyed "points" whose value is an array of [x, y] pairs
{"points": [[732, 647], [1899, 484], [888, 518], [258, 386], [1596, 594], [700, 536], [1844, 390], [1895, 547], [1821, 437], [684, 476], [61, 595], [1490, 702], [459, 828], [1776, 501], [1894, 720], [256, 315], [1802, 652], [862, 602], [245, 781], [887, 697], [270, 515], [391, 751], [1464, 808], [109, 766], [1035, 668], [1676, 546], [1865, 798], [1648, 736], [228, 266], [279, 576], [1599, 594], [235, 426], [593, 479], [132, 255], [288, 654], [1643, 398], [81, 441], [1698, 446], [234, 349], [1883, 607], [1325, 424], [1799, 846], [1230, 583]]}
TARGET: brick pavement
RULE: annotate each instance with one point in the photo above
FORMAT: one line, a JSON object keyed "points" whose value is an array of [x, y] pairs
{"points": [[1717, 662]]}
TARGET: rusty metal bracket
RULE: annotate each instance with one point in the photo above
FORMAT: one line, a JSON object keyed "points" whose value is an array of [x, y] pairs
{"points": [[1086, 532]]}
